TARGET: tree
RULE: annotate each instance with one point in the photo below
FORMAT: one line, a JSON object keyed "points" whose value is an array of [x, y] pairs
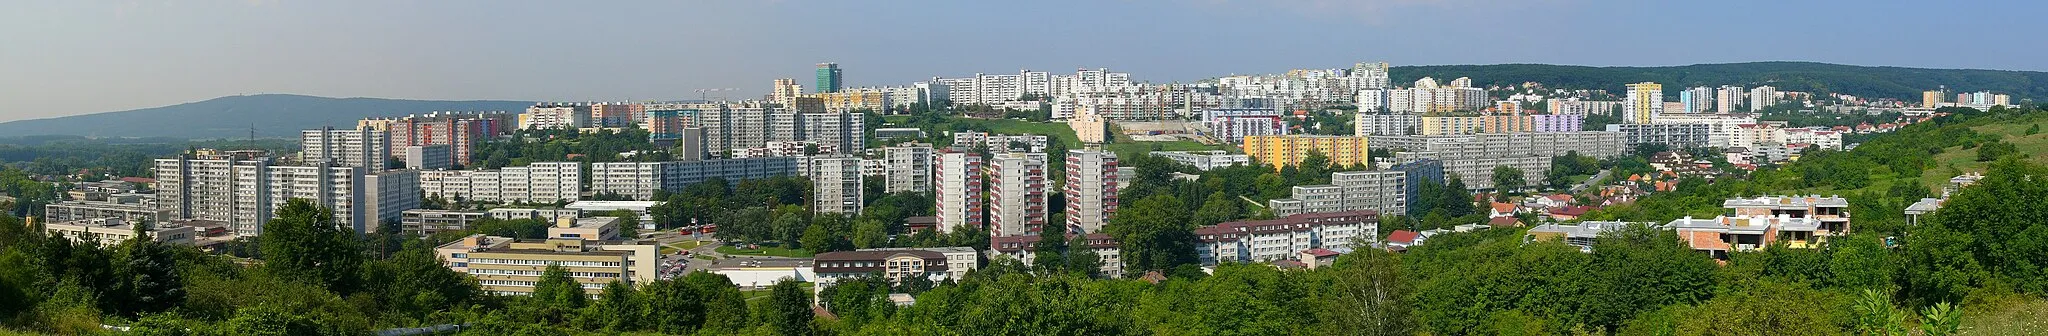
{"points": [[1768, 308], [629, 223], [149, 274], [1507, 179], [1994, 150], [870, 233], [556, 290], [1369, 297], [304, 244], [616, 309], [1873, 314], [671, 306], [1218, 208], [788, 309], [1154, 234], [725, 309]]}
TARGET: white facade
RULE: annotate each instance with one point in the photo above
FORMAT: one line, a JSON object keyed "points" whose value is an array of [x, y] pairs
{"points": [[1206, 160], [837, 185], [639, 180], [908, 168], [1017, 198], [246, 193], [540, 182], [1761, 97], [1365, 124], [959, 190], [1383, 191], [365, 148], [555, 116], [1091, 189]]}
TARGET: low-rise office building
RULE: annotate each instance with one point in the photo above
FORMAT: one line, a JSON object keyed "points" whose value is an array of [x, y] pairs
{"points": [[1206, 160], [66, 211], [108, 232], [586, 228], [427, 221], [512, 267]]}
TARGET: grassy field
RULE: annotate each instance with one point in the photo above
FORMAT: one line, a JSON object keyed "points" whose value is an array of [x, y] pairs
{"points": [[1966, 159], [766, 251], [2029, 317]]}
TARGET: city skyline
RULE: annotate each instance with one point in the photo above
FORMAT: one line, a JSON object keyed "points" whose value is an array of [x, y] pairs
{"points": [[95, 57]]}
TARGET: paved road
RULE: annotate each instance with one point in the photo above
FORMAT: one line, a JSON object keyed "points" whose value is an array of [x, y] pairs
{"points": [[1588, 183]]}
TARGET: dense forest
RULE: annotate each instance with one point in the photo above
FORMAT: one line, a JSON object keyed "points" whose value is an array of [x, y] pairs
{"points": [[1877, 82]]}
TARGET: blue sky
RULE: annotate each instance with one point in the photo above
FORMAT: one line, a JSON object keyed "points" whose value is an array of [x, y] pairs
{"points": [[73, 57]]}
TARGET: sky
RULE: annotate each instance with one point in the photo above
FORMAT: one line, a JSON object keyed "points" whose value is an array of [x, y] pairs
{"points": [[75, 57]]}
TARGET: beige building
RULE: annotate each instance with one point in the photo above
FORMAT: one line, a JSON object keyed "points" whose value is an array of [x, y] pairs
{"points": [[112, 231], [1089, 127], [587, 228], [512, 267]]}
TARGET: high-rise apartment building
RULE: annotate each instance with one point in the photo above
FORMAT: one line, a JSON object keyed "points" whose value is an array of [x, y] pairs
{"points": [[844, 130], [1017, 198], [1645, 102], [1697, 99], [539, 182], [1727, 98], [1673, 136], [387, 195], [1287, 150], [909, 168], [959, 196], [246, 192], [828, 78], [617, 114], [429, 157], [460, 131], [367, 148], [556, 116], [1596, 144], [1762, 97], [1931, 98], [836, 182], [1384, 191], [1091, 189]]}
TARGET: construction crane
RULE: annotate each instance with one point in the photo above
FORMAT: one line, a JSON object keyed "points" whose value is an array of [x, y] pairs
{"points": [[704, 94]]}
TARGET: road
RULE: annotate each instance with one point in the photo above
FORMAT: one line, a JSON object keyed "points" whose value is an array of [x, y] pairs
{"points": [[721, 260], [1588, 183]]}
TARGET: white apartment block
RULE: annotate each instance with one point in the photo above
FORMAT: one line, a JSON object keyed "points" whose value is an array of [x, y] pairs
{"points": [[1091, 188], [959, 195], [390, 193], [639, 180], [428, 157], [555, 116], [908, 168], [1127, 103], [1761, 97], [836, 185], [843, 130], [999, 143], [1286, 237], [1477, 172], [1232, 125], [365, 148], [1581, 107], [1597, 144], [1206, 160], [1366, 124], [1017, 198], [1722, 128], [540, 182], [1382, 191], [1675, 136], [246, 193]]}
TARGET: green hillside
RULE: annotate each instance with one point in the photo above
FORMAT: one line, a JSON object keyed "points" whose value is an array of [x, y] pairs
{"points": [[1863, 81]]}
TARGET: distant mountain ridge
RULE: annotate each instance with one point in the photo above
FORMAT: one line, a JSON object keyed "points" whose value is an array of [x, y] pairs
{"points": [[272, 115], [1862, 81]]}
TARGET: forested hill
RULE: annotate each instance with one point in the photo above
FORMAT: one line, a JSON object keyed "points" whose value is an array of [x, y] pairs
{"points": [[1862, 81], [272, 115]]}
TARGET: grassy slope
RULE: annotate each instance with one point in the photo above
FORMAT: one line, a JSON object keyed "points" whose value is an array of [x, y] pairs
{"points": [[1963, 160]]}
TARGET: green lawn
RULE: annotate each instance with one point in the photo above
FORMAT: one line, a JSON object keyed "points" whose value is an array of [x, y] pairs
{"points": [[766, 251]]}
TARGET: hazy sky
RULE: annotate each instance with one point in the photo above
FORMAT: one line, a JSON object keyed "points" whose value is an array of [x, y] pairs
{"points": [[73, 57]]}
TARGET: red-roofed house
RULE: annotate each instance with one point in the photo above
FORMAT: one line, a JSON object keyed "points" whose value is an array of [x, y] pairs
{"points": [[1317, 257], [1502, 210], [1504, 222], [1400, 240], [1569, 212]]}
